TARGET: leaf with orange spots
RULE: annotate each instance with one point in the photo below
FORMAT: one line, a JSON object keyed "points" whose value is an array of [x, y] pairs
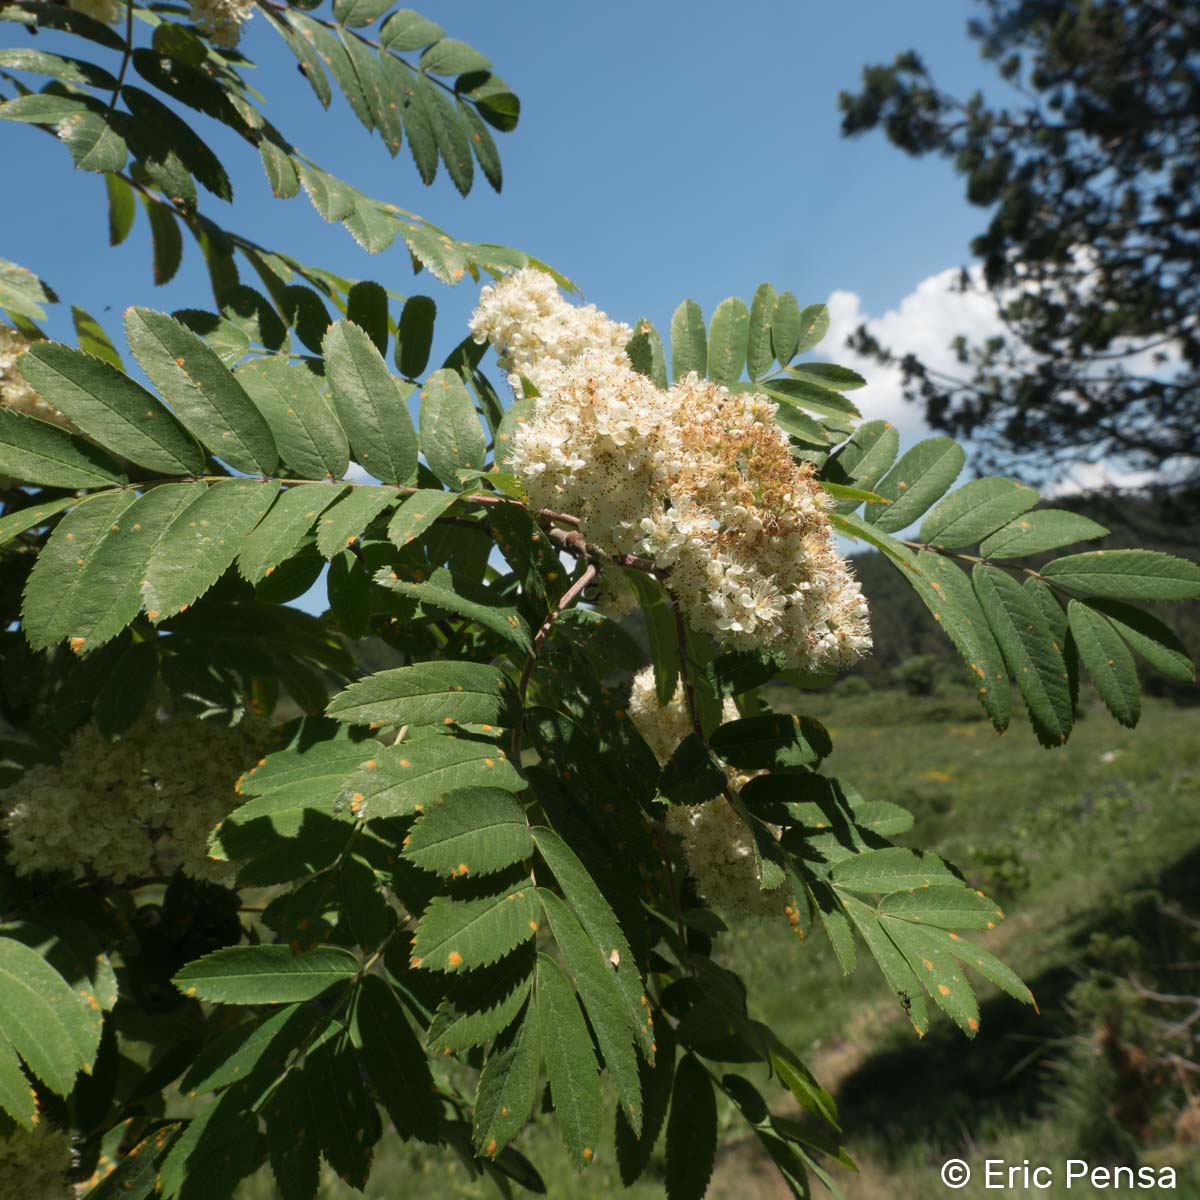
{"points": [[265, 974], [1037, 532], [891, 869], [36, 452], [312, 444], [460, 935], [17, 1098], [891, 962], [280, 534], [451, 436], [343, 522], [934, 965], [418, 513], [201, 391], [596, 982], [916, 482], [470, 831], [202, 542], [481, 1004], [112, 409], [413, 775], [944, 906], [251, 1048], [979, 508], [570, 1063], [508, 1085], [1108, 660], [43, 1020], [1034, 658], [863, 460]]}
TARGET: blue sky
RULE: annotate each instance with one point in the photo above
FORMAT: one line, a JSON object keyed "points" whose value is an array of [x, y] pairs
{"points": [[666, 149]]}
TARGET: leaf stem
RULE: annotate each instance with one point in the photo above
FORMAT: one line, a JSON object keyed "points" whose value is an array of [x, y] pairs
{"points": [[126, 55]]}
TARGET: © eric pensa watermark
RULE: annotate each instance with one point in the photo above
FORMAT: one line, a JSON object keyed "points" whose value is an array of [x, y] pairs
{"points": [[998, 1174]]}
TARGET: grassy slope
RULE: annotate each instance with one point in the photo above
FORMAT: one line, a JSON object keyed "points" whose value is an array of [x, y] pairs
{"points": [[1058, 836]]}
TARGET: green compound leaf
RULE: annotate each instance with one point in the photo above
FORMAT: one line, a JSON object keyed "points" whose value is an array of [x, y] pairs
{"points": [[109, 407], [634, 1151], [370, 404], [691, 1131], [759, 352], [251, 1048], [595, 979], [482, 1004], [1034, 658], [508, 1086], [689, 341], [310, 440], [340, 1109], [1035, 532], [864, 460], [202, 542], [279, 535], [596, 916], [891, 962], [814, 325], [570, 1063], [786, 324], [430, 693], [343, 524], [17, 1098], [43, 1020], [411, 775], [1126, 575], [727, 336], [646, 353], [418, 513], [92, 338], [1150, 638], [33, 451], [395, 1060], [265, 974], [461, 935], [945, 906], [975, 510], [201, 391], [937, 970], [451, 436], [414, 335], [53, 584], [291, 1140], [771, 741], [471, 831], [107, 594], [947, 592], [1108, 661], [991, 968], [892, 869], [918, 480], [443, 592], [690, 776], [23, 519]]}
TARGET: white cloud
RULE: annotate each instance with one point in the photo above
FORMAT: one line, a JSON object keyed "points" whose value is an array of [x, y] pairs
{"points": [[924, 323]]}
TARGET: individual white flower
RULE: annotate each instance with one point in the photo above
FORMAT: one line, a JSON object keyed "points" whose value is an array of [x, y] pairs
{"points": [[221, 21], [34, 1164]]}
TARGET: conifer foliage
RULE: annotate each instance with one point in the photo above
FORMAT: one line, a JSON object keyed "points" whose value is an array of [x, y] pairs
{"points": [[263, 907]]}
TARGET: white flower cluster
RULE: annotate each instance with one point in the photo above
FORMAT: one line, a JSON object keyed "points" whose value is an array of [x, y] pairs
{"points": [[142, 805], [34, 1165], [108, 12], [221, 21], [697, 478], [15, 392], [718, 847], [535, 331]]}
